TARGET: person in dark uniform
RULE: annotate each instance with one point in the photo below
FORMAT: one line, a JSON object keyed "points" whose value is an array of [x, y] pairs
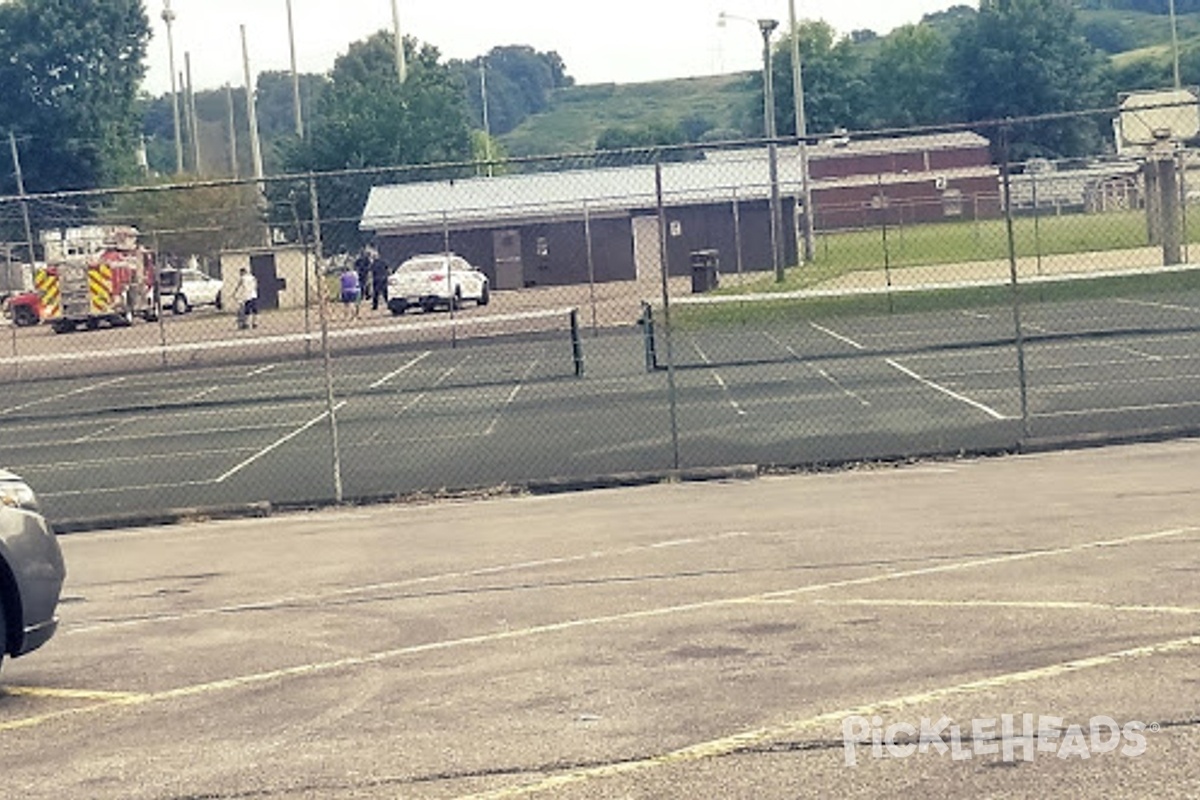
{"points": [[379, 278], [362, 265]]}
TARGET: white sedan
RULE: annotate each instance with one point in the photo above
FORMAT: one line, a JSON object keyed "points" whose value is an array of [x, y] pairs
{"points": [[442, 280]]}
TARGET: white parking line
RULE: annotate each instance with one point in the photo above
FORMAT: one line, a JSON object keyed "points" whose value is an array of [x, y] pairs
{"points": [[62, 396], [402, 370], [261, 370], [278, 443]]}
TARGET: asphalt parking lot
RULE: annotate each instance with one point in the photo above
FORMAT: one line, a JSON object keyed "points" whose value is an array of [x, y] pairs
{"points": [[679, 640]]}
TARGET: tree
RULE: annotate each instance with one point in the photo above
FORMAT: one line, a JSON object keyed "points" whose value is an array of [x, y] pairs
{"points": [[520, 82], [366, 119], [200, 221], [68, 88], [835, 88], [1021, 58], [911, 79]]}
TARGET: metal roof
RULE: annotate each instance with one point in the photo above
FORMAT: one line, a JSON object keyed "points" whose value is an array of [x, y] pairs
{"points": [[740, 174]]}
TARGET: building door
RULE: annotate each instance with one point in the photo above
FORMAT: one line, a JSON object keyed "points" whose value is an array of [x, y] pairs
{"points": [[647, 250], [510, 271], [263, 269]]}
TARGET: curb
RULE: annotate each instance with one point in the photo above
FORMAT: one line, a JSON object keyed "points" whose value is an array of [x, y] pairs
{"points": [[180, 516], [148, 519]]}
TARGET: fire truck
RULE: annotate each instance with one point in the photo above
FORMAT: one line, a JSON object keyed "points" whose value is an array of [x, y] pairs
{"points": [[95, 275]]}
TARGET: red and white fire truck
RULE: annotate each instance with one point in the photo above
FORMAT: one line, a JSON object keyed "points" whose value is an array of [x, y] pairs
{"points": [[93, 275]]}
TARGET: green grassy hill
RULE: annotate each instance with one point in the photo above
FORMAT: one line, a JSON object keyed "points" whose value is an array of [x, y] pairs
{"points": [[580, 113], [724, 102]]}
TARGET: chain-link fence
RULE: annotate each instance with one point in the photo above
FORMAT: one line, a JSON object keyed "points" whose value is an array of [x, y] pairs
{"points": [[470, 326]]}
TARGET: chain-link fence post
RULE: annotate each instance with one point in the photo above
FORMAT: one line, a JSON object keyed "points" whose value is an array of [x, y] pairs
{"points": [[591, 264], [331, 407], [1018, 330], [665, 268]]}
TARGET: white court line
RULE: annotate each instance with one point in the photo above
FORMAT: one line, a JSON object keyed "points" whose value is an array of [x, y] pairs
{"points": [[1117, 409], [402, 370], [141, 458], [991, 412], [279, 443], [837, 336], [820, 371], [741, 412], [61, 396], [1151, 304], [1090, 343], [145, 487], [512, 398]]}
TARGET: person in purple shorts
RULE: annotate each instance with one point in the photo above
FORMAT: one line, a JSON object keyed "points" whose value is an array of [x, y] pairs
{"points": [[351, 292]]}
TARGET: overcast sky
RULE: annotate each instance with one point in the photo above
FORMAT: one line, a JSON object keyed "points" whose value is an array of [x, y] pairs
{"points": [[620, 41]]}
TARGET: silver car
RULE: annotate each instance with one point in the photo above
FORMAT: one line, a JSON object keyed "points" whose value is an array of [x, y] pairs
{"points": [[31, 570]]}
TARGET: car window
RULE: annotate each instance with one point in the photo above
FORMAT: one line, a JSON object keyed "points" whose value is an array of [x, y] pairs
{"points": [[422, 264]]}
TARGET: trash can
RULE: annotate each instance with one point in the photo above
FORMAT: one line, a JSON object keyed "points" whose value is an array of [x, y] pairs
{"points": [[705, 270]]}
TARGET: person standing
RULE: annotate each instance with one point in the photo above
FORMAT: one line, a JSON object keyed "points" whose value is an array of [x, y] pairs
{"points": [[362, 267], [351, 291], [246, 294], [379, 280]]}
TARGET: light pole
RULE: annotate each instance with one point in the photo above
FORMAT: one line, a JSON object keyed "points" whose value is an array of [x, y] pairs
{"points": [[766, 27], [168, 17], [802, 134], [299, 114], [401, 64], [1174, 41]]}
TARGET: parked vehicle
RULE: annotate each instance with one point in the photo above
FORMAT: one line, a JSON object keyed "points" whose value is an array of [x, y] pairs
{"points": [[181, 290], [24, 308], [94, 275], [442, 280], [31, 570]]}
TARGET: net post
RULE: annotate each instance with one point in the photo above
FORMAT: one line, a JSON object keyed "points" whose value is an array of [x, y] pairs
{"points": [[648, 336], [576, 343]]}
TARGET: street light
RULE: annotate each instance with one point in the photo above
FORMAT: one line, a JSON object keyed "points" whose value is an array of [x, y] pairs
{"points": [[766, 27], [168, 17]]}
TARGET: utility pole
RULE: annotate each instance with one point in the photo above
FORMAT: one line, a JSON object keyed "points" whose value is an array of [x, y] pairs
{"points": [[401, 63], [169, 17], [1174, 42], [810, 249], [16, 156], [295, 74], [252, 113], [194, 125], [487, 127], [233, 158]]}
